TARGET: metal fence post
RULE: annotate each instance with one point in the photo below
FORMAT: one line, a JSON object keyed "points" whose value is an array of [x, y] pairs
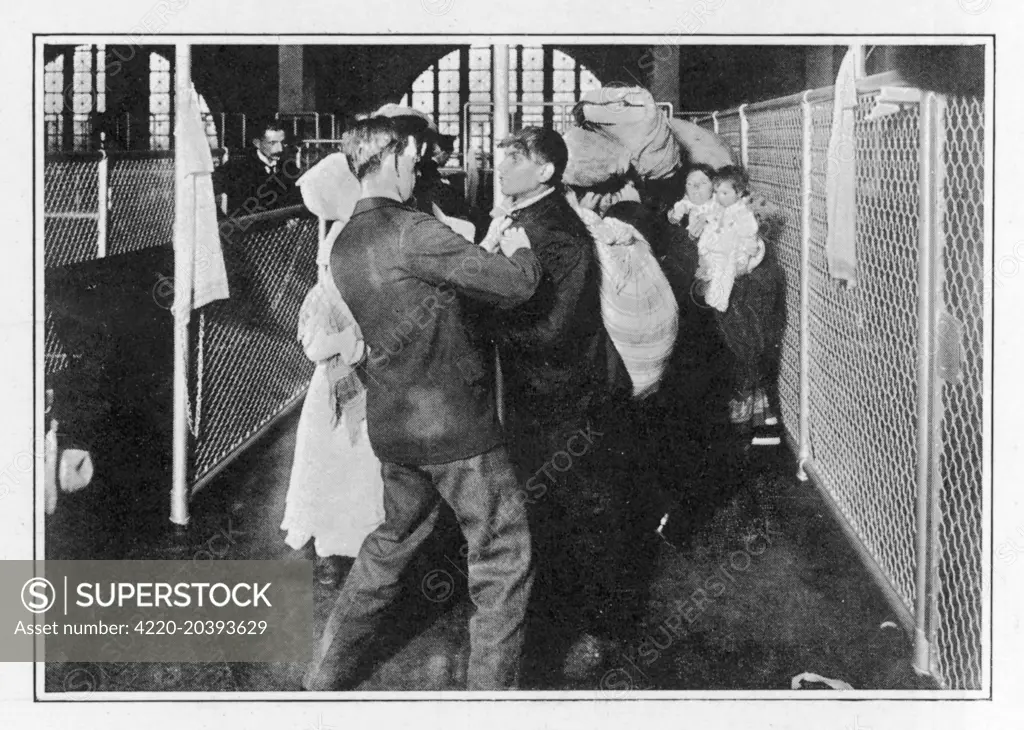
{"points": [[714, 121], [103, 182], [933, 107], [181, 312], [744, 128], [804, 453], [925, 381]]}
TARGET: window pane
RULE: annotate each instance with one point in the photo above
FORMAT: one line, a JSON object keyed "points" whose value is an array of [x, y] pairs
{"points": [[564, 81], [560, 60], [159, 83], [82, 104], [449, 62], [53, 82], [588, 82], [448, 81], [83, 83], [83, 58], [158, 63], [480, 57], [425, 81], [423, 102], [479, 81], [533, 81], [449, 103], [159, 103], [533, 58]]}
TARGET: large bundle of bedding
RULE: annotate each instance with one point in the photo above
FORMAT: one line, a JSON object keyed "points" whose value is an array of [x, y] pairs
{"points": [[630, 116], [594, 158], [701, 146]]}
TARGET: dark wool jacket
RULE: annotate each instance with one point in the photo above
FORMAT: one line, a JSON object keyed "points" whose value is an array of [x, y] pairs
{"points": [[406, 276], [557, 357], [251, 189]]}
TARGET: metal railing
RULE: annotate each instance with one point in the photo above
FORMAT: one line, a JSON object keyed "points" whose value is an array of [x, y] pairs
{"points": [[127, 132], [881, 384], [246, 367], [103, 204]]}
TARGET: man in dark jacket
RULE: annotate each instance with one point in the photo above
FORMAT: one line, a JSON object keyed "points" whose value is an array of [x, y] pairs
{"points": [[261, 178], [430, 411], [567, 393]]}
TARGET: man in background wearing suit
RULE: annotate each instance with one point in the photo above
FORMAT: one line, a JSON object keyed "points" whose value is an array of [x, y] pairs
{"points": [[261, 178]]}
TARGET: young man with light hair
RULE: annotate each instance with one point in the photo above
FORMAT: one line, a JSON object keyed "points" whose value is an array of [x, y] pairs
{"points": [[430, 411]]}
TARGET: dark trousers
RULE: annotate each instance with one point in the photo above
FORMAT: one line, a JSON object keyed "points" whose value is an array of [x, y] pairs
{"points": [[486, 499], [588, 507], [752, 327]]}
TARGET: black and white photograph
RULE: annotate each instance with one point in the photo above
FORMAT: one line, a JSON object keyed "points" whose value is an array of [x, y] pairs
{"points": [[608, 375]]}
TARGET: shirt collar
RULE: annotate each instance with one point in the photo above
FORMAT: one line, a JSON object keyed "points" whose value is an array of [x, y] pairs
{"points": [[366, 204], [508, 208], [266, 161]]}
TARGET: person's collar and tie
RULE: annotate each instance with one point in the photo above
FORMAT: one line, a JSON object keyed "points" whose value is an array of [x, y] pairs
{"points": [[507, 207], [268, 164]]}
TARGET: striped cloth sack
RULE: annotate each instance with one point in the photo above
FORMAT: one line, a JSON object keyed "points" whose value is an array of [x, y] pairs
{"points": [[638, 307]]}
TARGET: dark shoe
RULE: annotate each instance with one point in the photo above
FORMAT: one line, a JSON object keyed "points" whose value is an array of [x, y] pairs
{"points": [[329, 571]]}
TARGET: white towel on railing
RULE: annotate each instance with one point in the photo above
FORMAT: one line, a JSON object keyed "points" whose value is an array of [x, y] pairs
{"points": [[841, 177], [200, 275]]}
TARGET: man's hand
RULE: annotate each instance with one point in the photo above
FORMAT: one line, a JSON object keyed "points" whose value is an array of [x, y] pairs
{"points": [[512, 240], [497, 229]]}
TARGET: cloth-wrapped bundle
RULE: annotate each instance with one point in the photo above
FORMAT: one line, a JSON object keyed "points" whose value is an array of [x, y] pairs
{"points": [[630, 116], [700, 145], [638, 307], [594, 158]]}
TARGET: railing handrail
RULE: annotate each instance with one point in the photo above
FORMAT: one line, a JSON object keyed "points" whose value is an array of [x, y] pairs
{"points": [[243, 222], [865, 85]]}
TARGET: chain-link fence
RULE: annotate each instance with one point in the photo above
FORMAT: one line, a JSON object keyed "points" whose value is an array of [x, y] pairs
{"points": [[956, 624], [141, 208], [246, 362], [773, 152], [70, 210], [861, 345]]}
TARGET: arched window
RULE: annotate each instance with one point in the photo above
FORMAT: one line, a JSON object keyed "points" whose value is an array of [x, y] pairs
{"points": [[70, 108], [75, 103], [463, 76]]}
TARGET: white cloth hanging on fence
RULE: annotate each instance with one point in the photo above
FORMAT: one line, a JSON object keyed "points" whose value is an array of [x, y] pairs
{"points": [[841, 177], [200, 276]]}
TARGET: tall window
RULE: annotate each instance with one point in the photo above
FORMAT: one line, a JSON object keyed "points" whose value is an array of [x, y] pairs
{"points": [[75, 91], [53, 103], [75, 104], [464, 76], [159, 102]]}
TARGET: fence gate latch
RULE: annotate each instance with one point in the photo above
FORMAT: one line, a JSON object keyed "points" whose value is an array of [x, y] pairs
{"points": [[949, 348]]}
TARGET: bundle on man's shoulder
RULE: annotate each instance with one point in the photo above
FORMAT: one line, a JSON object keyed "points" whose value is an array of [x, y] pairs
{"points": [[630, 116]]}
